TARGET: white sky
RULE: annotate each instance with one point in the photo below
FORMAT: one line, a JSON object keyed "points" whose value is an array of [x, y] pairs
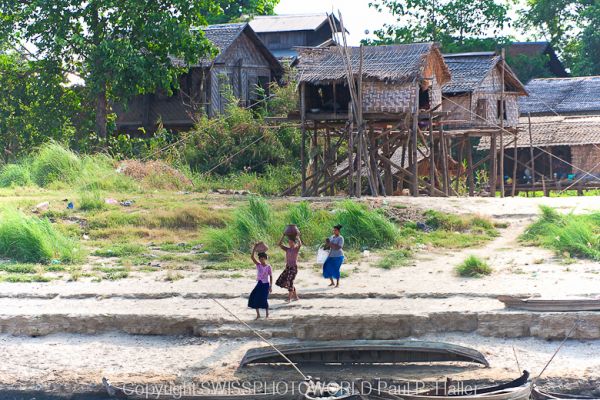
{"points": [[358, 16]]}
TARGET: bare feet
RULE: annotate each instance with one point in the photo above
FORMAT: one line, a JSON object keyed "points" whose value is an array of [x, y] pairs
{"points": [[331, 284]]}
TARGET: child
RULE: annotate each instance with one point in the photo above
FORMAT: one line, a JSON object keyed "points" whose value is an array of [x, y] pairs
{"points": [[264, 276], [286, 279]]}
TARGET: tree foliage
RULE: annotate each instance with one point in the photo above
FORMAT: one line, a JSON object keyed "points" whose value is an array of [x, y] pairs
{"points": [[572, 26], [452, 23], [35, 105], [120, 48], [234, 10]]}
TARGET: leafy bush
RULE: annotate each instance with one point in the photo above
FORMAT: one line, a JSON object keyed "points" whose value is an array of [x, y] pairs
{"points": [[31, 239], [365, 228], [55, 163], [473, 267], [14, 175], [573, 235]]}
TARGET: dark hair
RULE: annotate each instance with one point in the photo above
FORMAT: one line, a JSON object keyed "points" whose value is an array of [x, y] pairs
{"points": [[338, 227], [263, 255]]}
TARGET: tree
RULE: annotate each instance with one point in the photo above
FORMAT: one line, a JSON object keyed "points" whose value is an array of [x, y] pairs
{"points": [[35, 104], [449, 22], [572, 26], [234, 10], [119, 47]]}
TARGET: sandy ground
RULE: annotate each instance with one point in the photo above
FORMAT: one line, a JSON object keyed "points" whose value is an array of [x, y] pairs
{"points": [[63, 362]]}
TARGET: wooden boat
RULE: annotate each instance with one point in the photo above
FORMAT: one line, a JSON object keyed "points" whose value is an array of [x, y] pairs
{"points": [[139, 393], [539, 394], [365, 352], [550, 305], [518, 389]]}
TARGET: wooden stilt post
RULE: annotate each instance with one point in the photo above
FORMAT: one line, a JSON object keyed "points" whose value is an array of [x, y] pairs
{"points": [[359, 162], [414, 183], [531, 149], [350, 130], [514, 177], [459, 172], [493, 164], [431, 155], [502, 111], [444, 150], [303, 128], [550, 162], [470, 171], [315, 161], [388, 178]]}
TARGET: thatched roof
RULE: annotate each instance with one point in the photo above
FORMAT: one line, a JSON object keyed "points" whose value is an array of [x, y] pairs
{"points": [[468, 71], [556, 131], [396, 63], [222, 36], [553, 96]]}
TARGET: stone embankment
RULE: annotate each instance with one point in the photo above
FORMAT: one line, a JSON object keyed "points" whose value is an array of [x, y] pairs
{"points": [[347, 317]]}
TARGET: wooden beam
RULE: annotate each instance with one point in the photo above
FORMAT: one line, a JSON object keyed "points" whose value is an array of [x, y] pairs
{"points": [[409, 174], [303, 128], [470, 178], [414, 187]]}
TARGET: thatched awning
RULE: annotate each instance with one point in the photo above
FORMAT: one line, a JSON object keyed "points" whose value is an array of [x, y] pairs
{"points": [[556, 131], [395, 63]]}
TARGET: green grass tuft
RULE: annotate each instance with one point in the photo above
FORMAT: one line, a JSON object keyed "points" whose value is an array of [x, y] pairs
{"points": [[120, 250], [364, 228], [34, 240], [15, 175], [473, 267], [55, 163], [91, 200], [570, 235], [394, 259]]}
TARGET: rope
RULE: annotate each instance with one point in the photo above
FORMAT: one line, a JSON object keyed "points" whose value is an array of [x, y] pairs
{"points": [[558, 349], [305, 377]]}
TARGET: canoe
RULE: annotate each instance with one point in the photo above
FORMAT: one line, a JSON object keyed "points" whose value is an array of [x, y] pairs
{"points": [[539, 394], [518, 389], [551, 305], [365, 352], [133, 392]]}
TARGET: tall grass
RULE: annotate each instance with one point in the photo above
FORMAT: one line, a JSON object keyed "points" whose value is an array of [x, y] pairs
{"points": [[573, 235], [34, 240], [252, 223], [364, 228], [15, 175], [314, 225], [55, 163]]}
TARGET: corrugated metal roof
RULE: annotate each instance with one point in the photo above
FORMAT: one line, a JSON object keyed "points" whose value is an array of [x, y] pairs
{"points": [[288, 23], [555, 131], [397, 63], [562, 96]]}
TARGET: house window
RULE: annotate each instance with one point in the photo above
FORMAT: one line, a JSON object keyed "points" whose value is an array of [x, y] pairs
{"points": [[501, 107], [482, 109]]}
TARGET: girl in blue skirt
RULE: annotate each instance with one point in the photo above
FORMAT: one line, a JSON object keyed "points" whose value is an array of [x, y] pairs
{"points": [[331, 267], [264, 283]]}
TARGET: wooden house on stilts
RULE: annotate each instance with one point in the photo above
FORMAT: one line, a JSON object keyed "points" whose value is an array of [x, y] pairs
{"points": [[482, 102], [243, 64], [398, 89]]}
